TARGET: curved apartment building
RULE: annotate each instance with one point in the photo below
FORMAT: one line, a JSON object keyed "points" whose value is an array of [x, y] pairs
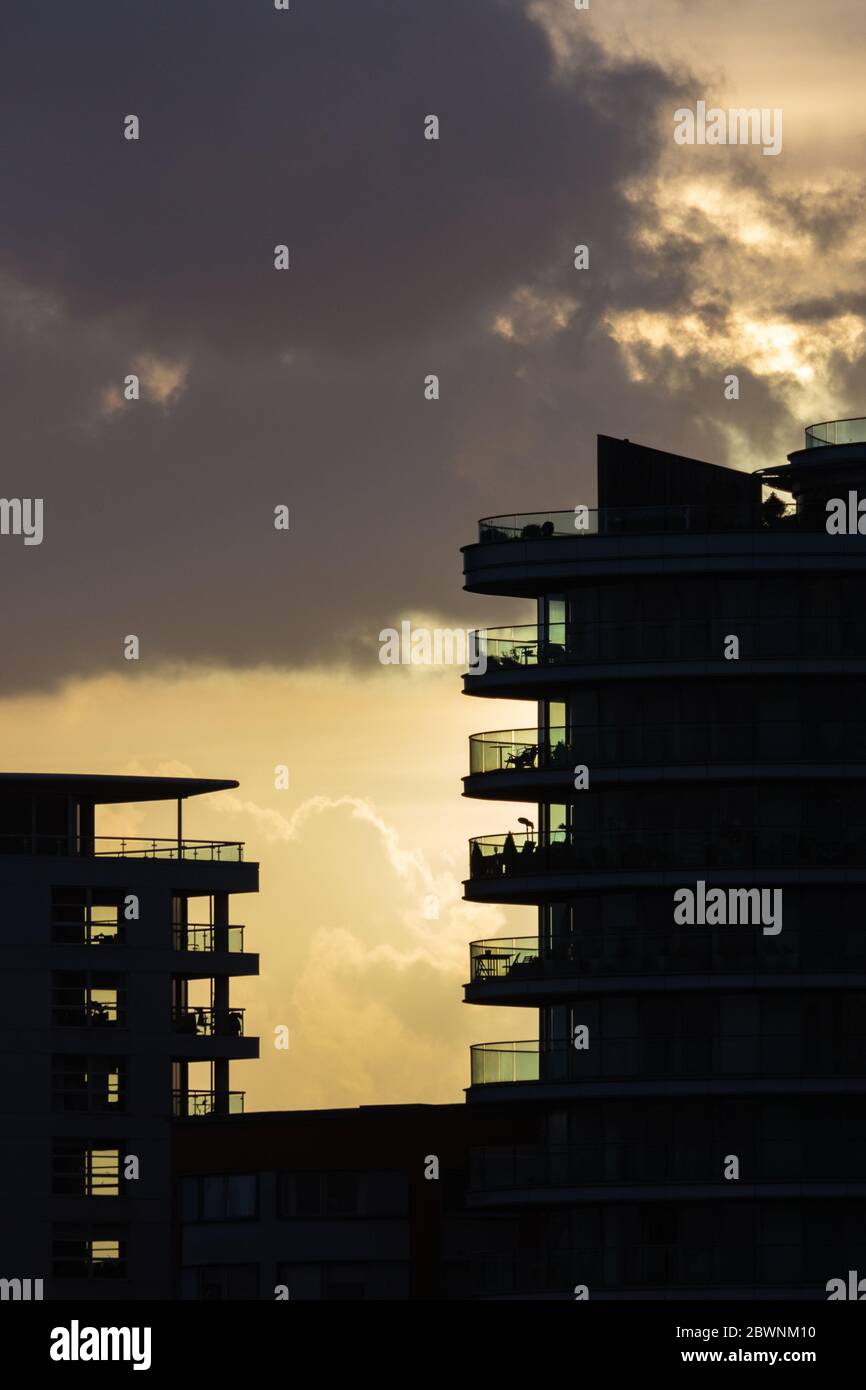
{"points": [[689, 1110]]}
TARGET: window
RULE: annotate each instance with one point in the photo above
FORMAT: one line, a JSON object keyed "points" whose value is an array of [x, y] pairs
{"points": [[216, 1283], [85, 999], [224, 1197], [86, 1168], [86, 916], [88, 1251], [82, 1083], [342, 1194]]}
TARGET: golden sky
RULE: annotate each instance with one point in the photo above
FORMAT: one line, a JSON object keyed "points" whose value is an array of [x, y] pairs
{"points": [[371, 826]]}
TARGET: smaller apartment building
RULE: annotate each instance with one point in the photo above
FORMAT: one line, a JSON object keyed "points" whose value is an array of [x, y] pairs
{"points": [[332, 1204]]}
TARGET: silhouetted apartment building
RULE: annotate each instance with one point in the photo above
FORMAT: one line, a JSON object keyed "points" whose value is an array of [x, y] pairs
{"points": [[697, 677], [116, 956]]}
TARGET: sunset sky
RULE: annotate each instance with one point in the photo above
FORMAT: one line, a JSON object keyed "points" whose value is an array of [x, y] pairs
{"points": [[306, 388]]}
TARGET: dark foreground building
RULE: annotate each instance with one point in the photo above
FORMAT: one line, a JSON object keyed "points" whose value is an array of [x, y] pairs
{"points": [[116, 956], [367, 1203], [697, 673]]}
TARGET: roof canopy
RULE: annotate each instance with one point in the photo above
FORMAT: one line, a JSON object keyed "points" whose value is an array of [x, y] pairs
{"points": [[103, 790]]}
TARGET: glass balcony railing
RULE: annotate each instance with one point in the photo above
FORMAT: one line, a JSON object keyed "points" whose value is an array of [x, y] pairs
{"points": [[807, 639], [634, 521], [495, 1062], [519, 750], [765, 741], [667, 1057], [139, 847], [517, 855], [505, 958], [852, 431], [208, 1022], [200, 937], [839, 948], [121, 847], [190, 1103], [504, 1167]]}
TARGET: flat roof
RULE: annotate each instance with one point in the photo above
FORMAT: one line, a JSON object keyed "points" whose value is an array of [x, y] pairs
{"points": [[103, 790]]}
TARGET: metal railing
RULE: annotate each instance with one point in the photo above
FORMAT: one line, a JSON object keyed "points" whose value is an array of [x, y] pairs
{"points": [[121, 847], [516, 855], [139, 847], [191, 1103], [208, 1022], [670, 1057], [200, 937]]}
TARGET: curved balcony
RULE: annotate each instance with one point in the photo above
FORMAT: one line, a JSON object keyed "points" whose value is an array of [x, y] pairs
{"points": [[649, 521], [515, 970], [511, 650], [850, 431], [520, 754], [530, 855], [679, 1057]]}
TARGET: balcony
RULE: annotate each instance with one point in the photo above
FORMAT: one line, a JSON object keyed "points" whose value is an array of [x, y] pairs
{"points": [[671, 1058], [515, 649], [520, 750], [200, 937], [505, 958], [852, 431], [528, 854], [525, 751], [122, 847], [186, 1104], [650, 521], [592, 953], [194, 1022]]}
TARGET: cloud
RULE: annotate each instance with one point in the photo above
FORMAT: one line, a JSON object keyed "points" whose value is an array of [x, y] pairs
{"points": [[259, 129], [160, 381]]}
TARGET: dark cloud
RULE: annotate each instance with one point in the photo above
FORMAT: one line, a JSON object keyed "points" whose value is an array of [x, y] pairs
{"points": [[306, 127]]}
